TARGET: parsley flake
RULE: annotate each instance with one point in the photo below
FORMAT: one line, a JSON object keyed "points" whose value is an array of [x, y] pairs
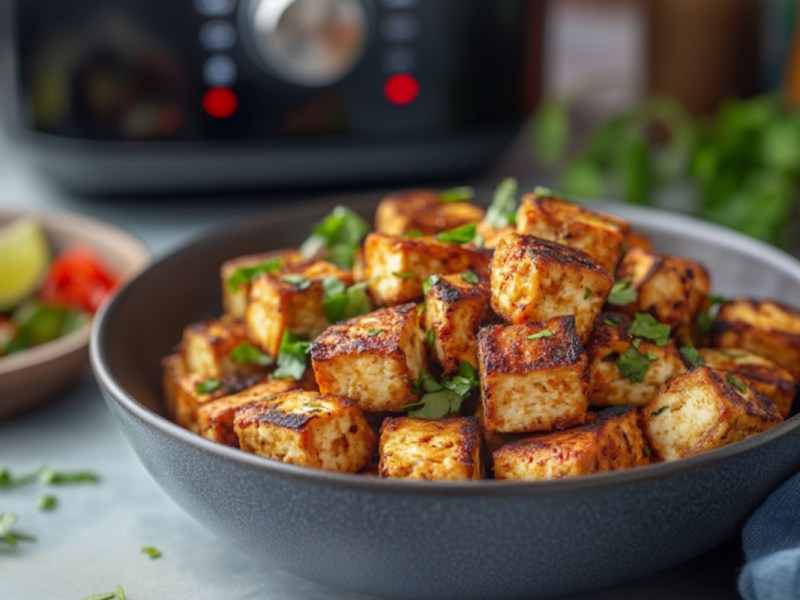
{"points": [[503, 210], [47, 502], [633, 365], [737, 383], [404, 274], [646, 326], [341, 302], [292, 360], [460, 235], [298, 281], [374, 332], [587, 293], [544, 333], [50, 476], [151, 551], [208, 386], [707, 316], [430, 337], [659, 410], [462, 193], [337, 237], [691, 355], [470, 277], [543, 192], [10, 536], [445, 397], [244, 275], [622, 293], [429, 282], [245, 353]]}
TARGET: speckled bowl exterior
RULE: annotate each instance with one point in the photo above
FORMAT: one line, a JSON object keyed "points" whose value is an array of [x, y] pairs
{"points": [[432, 540]]}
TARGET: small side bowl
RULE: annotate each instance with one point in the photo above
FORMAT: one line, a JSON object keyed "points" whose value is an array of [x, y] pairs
{"points": [[36, 375]]}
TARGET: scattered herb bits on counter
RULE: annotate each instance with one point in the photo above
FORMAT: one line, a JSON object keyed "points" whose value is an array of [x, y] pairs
{"points": [[536, 340]]}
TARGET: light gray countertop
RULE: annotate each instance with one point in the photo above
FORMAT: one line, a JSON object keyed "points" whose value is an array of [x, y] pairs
{"points": [[91, 542]]}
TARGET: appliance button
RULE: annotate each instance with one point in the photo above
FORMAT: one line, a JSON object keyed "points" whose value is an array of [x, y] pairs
{"points": [[214, 8], [309, 42], [217, 35], [399, 28], [219, 71], [399, 60]]}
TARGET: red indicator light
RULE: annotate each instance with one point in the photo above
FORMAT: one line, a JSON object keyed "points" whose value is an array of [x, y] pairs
{"points": [[220, 102], [401, 89]]}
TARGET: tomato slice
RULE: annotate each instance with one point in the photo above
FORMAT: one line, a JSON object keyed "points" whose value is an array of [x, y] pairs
{"points": [[77, 278]]}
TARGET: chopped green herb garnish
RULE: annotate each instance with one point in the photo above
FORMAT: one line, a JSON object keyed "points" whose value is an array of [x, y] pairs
{"points": [[9, 480], [647, 452], [52, 477], [707, 316], [441, 399], [245, 275], [502, 211], [208, 386], [47, 502], [622, 293], [633, 365], [460, 235], [646, 326], [10, 536], [587, 293], [544, 333], [292, 360], [737, 383], [341, 302], [421, 308], [691, 355], [429, 282], [732, 355], [457, 194], [470, 277], [245, 353], [659, 410], [613, 319], [414, 233], [430, 337], [337, 237], [151, 551], [405, 274], [374, 332], [118, 594], [543, 192], [300, 282]]}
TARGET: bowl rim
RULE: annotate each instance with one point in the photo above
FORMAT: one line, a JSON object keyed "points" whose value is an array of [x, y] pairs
{"points": [[655, 218], [73, 225]]}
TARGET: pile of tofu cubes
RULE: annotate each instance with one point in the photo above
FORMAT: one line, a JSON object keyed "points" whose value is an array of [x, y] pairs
{"points": [[594, 351]]}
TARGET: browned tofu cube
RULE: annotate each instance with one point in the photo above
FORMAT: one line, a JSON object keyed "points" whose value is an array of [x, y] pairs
{"points": [[534, 279], [375, 358], [455, 306], [670, 288], [397, 266], [600, 236], [172, 370], [613, 440], [192, 391], [238, 273], [430, 449], [422, 211], [622, 372], [308, 429], [209, 348], [763, 327], [705, 409], [290, 301], [635, 239], [534, 376], [775, 382], [491, 235], [215, 417]]}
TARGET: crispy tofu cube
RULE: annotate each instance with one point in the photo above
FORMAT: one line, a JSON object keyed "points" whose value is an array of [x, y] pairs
{"points": [[600, 236], [763, 327], [396, 266], [491, 235], [237, 274], [705, 409], [775, 382], [455, 306], [193, 390], [172, 369], [374, 358], [670, 288], [422, 211], [534, 280], [534, 376], [608, 344], [290, 301], [430, 449], [308, 429], [215, 417], [613, 440], [635, 239], [207, 346]]}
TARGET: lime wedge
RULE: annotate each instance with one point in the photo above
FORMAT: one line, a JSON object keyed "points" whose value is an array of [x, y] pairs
{"points": [[24, 256]]}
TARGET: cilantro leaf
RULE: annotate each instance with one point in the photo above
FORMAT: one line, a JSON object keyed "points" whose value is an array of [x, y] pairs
{"points": [[341, 302], [622, 293], [633, 365], [245, 275], [502, 211], [646, 326], [245, 353], [429, 282], [297, 280], [404, 274], [457, 194], [337, 237], [691, 355], [470, 277], [544, 333], [208, 386], [460, 235], [737, 383], [292, 361], [445, 397]]}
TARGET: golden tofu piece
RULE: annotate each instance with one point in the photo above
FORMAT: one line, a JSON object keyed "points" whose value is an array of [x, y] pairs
{"points": [[215, 417], [455, 306], [635, 239], [430, 449], [238, 273], [375, 358], [491, 235], [534, 376], [208, 348], [534, 279], [172, 369], [600, 236], [703, 409], [290, 301], [763, 327], [397, 266], [775, 382], [193, 390], [307, 429], [613, 440], [619, 372], [670, 288], [422, 211]]}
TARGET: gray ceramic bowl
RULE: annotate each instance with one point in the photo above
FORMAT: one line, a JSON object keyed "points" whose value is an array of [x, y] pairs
{"points": [[432, 540]]}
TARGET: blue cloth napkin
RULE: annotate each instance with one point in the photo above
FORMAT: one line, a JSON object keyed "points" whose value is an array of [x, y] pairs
{"points": [[771, 544]]}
